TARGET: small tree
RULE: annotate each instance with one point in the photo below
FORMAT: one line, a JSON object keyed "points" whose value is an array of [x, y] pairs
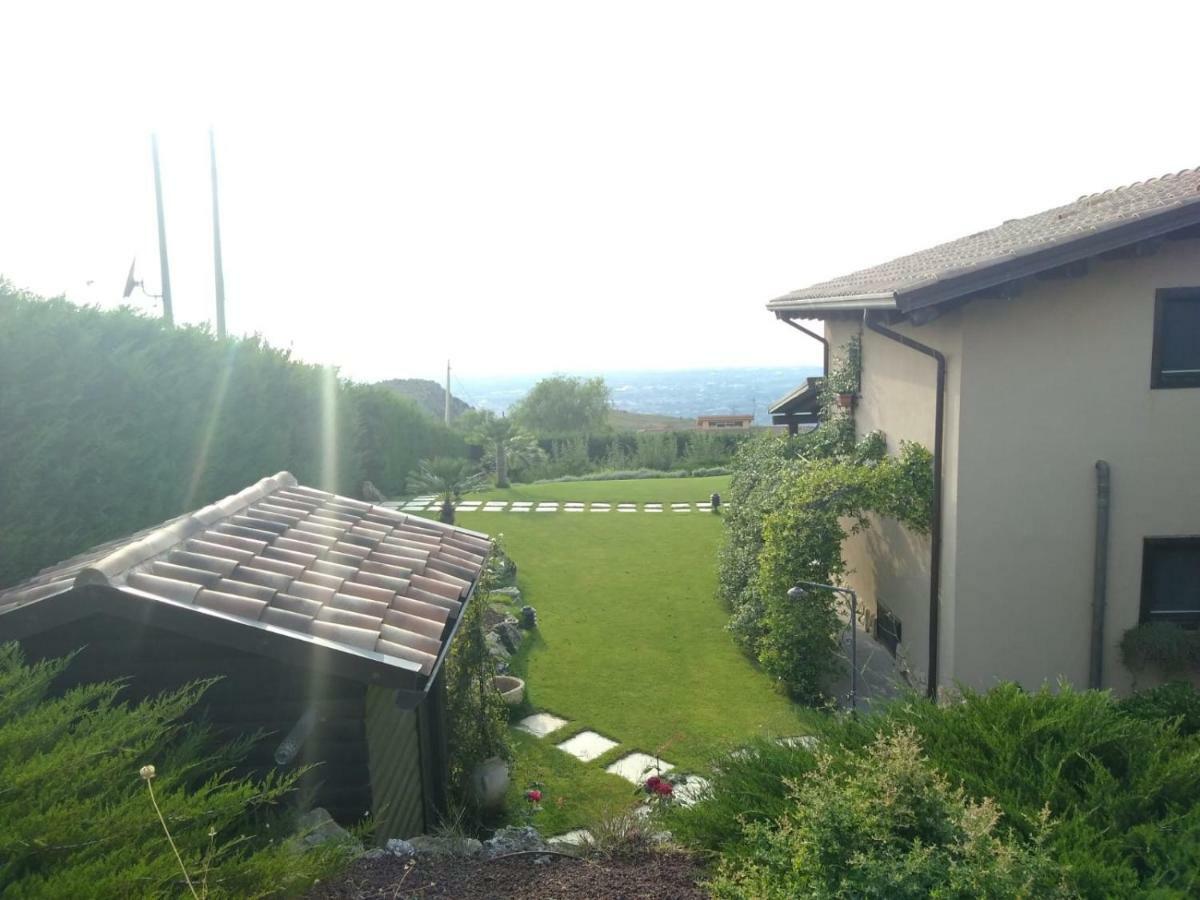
{"points": [[503, 438], [449, 479], [562, 406]]}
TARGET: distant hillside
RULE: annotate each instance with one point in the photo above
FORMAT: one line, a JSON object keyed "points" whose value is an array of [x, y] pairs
{"points": [[624, 420], [428, 395]]}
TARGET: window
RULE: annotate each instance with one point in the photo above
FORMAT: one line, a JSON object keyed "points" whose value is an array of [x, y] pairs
{"points": [[1171, 581], [1176, 361], [887, 628]]}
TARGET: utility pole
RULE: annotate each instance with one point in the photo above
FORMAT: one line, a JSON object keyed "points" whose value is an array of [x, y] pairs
{"points": [[447, 414], [164, 269], [218, 269]]}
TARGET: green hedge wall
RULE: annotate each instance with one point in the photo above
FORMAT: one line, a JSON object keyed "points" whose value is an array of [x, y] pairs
{"points": [[110, 422]]}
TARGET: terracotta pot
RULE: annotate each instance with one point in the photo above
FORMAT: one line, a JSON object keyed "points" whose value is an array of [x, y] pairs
{"points": [[489, 783], [511, 688]]}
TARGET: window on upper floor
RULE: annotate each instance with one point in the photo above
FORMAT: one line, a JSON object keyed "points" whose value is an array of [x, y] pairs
{"points": [[1176, 361], [1171, 580]]}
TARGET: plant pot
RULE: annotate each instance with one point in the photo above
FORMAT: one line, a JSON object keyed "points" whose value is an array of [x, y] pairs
{"points": [[489, 783], [511, 688], [845, 401]]}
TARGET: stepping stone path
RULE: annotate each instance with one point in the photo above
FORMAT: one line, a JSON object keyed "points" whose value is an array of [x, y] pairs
{"points": [[431, 504], [540, 724], [587, 745], [637, 767]]}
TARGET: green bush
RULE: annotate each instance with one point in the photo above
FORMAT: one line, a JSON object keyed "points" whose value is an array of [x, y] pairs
{"points": [[113, 422], [1124, 792], [1160, 645], [1176, 701], [77, 821], [881, 822], [791, 500]]}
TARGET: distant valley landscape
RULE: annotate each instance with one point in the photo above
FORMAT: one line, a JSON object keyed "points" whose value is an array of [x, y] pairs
{"points": [[676, 394]]}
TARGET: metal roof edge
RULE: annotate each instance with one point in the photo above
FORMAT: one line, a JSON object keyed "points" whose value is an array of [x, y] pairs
{"points": [[817, 305]]}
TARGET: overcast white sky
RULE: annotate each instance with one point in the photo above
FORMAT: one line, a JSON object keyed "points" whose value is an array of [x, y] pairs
{"points": [[528, 187]]}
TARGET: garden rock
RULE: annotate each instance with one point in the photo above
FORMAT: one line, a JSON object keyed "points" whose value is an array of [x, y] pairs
{"points": [[397, 847], [425, 844], [513, 839], [316, 827], [497, 651], [513, 594], [528, 617], [510, 635], [372, 494]]}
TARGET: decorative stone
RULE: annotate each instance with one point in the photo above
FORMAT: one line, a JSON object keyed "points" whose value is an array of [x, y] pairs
{"points": [[513, 839], [577, 838], [637, 767], [496, 648], [445, 846], [528, 617], [540, 724], [316, 827], [510, 635], [587, 745], [397, 847], [512, 593]]}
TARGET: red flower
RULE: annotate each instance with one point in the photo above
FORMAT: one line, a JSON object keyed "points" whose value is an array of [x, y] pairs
{"points": [[652, 784], [533, 796], [663, 788]]}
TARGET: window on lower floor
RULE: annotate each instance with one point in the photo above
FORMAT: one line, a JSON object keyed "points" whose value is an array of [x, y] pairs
{"points": [[1176, 361], [1171, 581]]}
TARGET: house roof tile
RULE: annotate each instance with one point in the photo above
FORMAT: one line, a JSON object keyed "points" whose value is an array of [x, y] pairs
{"points": [[305, 562], [1170, 201]]}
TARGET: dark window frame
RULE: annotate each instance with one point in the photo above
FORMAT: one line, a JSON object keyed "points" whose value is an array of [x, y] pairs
{"points": [[1159, 381], [1148, 545]]}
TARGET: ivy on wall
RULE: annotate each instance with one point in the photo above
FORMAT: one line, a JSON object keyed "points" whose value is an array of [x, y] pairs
{"points": [[794, 501]]}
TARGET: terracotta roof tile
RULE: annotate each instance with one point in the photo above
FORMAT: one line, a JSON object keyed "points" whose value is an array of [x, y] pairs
{"points": [[301, 561]]}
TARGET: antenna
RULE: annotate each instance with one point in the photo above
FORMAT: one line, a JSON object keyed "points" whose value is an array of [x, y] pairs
{"points": [[131, 283]]}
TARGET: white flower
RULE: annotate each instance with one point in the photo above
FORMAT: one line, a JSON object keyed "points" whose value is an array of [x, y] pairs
{"points": [[147, 772]]}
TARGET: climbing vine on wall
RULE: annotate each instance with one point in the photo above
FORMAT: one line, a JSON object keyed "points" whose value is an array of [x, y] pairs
{"points": [[793, 503]]}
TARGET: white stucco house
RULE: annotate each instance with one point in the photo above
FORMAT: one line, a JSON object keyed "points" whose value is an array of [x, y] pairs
{"points": [[1052, 364]]}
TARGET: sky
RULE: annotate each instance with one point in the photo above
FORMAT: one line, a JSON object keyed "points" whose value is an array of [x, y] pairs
{"points": [[556, 187]]}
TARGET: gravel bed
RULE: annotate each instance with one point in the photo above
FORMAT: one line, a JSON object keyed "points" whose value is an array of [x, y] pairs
{"points": [[669, 876]]}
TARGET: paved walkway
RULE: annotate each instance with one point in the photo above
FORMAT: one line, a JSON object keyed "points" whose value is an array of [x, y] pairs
{"points": [[432, 504]]}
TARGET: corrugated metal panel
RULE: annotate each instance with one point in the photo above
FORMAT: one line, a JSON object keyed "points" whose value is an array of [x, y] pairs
{"points": [[394, 754]]}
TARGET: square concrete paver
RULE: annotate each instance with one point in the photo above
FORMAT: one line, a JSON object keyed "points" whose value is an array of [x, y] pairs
{"points": [[519, 509], [587, 745], [541, 724], [690, 789], [577, 838], [573, 509], [637, 767]]}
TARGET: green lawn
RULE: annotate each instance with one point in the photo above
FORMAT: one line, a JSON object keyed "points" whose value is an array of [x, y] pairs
{"points": [[633, 490], [631, 644]]}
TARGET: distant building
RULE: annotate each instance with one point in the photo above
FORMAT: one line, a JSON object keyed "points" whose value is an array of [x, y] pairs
{"points": [[800, 410], [705, 423]]}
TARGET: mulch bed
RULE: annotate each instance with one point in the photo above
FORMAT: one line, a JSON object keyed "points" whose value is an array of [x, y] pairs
{"points": [[669, 876]]}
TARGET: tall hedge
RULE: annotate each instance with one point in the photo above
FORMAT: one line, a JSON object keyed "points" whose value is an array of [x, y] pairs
{"points": [[110, 422]]}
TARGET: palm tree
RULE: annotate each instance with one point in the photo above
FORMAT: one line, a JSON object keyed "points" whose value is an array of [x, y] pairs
{"points": [[448, 479], [506, 440]]}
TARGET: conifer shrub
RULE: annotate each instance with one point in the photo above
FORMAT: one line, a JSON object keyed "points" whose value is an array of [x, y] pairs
{"points": [[882, 822], [1122, 791], [113, 422], [75, 815]]}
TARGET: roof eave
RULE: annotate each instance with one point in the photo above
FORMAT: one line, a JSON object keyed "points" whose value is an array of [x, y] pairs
{"points": [[1080, 247], [815, 307]]}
